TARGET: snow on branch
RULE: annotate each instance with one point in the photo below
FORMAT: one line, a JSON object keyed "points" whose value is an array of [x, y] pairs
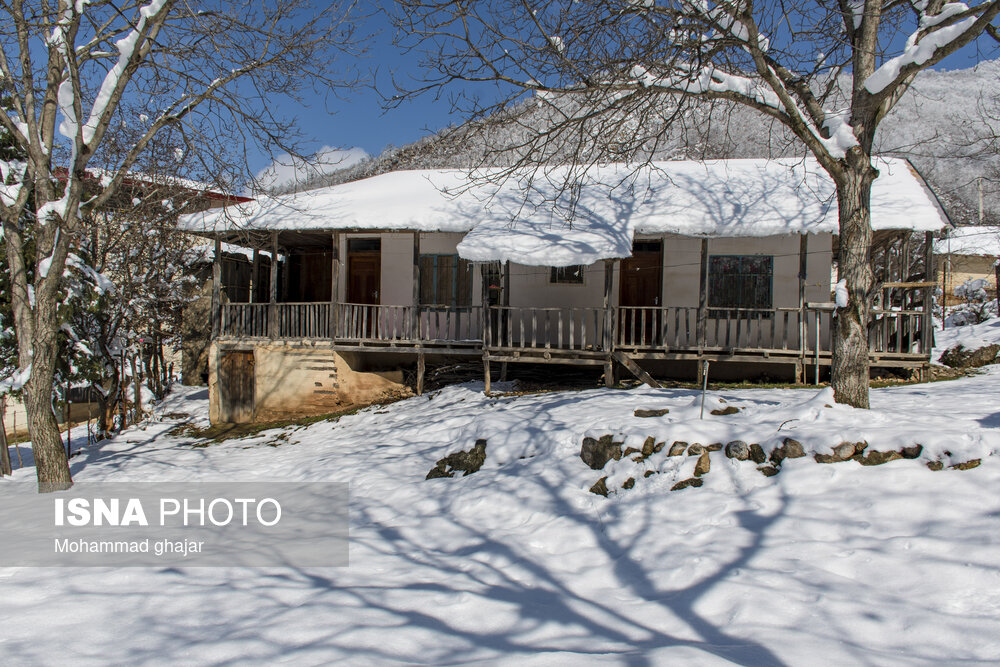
{"points": [[934, 32]]}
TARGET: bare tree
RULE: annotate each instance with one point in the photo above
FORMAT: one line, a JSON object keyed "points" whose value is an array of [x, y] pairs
{"points": [[633, 67], [75, 73]]}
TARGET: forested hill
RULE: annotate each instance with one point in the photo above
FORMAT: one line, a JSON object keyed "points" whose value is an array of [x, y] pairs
{"points": [[946, 125]]}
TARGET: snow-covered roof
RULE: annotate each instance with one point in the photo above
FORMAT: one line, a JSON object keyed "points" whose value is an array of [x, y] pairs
{"points": [[506, 221], [981, 240]]}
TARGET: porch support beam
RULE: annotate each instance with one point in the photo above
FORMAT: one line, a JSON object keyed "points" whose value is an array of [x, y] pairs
{"points": [[272, 308], [702, 328], [504, 318], [217, 289], [927, 340], [254, 274], [483, 273], [803, 324], [334, 286], [285, 275], [608, 333], [415, 324], [421, 371]]}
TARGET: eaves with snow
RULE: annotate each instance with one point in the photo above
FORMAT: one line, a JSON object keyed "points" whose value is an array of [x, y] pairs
{"points": [[614, 203], [981, 240]]}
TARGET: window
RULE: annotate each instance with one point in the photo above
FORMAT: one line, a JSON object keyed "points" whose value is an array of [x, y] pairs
{"points": [[739, 281], [445, 280], [567, 275], [364, 245]]}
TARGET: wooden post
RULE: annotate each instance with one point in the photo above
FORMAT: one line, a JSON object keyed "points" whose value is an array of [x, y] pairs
{"points": [[996, 276], [608, 333], [421, 370], [217, 289], [5, 468], [286, 269], [486, 326], [415, 324], [803, 325], [703, 307], [334, 287], [254, 275], [272, 299], [927, 338], [505, 317]]}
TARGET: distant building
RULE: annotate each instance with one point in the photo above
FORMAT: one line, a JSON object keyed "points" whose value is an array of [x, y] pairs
{"points": [[967, 253]]}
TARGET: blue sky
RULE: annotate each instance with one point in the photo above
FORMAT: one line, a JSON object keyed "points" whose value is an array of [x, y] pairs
{"points": [[356, 117]]}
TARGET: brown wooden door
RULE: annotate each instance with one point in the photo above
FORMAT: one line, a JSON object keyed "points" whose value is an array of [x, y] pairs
{"points": [[639, 290], [236, 380], [364, 278], [364, 271]]}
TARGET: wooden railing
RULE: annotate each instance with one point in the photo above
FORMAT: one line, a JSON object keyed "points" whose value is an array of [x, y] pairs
{"points": [[758, 329], [303, 320], [448, 323], [891, 332], [245, 320], [364, 322], [656, 327], [553, 328], [898, 331]]}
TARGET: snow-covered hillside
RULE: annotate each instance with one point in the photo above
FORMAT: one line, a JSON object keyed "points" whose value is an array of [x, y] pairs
{"points": [[946, 125], [519, 562]]}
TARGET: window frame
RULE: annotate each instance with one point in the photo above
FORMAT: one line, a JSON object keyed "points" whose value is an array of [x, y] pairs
{"points": [[456, 299], [733, 308], [556, 279]]}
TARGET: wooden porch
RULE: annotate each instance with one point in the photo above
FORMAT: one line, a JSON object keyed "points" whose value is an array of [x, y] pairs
{"points": [[581, 336], [900, 332]]}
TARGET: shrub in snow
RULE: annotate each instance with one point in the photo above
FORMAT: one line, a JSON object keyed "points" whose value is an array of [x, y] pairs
{"points": [[467, 462], [960, 357]]}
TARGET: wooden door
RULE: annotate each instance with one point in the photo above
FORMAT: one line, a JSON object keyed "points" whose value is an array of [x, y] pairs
{"points": [[364, 275], [236, 380], [639, 294]]}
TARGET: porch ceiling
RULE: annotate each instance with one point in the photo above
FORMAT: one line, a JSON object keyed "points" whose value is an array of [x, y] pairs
{"points": [[262, 240]]}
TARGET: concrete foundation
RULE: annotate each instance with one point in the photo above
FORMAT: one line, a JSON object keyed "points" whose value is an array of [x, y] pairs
{"points": [[302, 379]]}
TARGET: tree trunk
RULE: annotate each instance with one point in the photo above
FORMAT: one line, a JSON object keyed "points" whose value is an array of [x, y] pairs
{"points": [[850, 374], [136, 392], [4, 450], [51, 464]]}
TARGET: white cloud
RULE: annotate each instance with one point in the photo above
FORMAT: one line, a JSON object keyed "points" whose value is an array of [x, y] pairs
{"points": [[286, 170]]}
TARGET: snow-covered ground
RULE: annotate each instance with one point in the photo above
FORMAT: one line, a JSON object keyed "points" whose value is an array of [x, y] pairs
{"points": [[970, 336], [833, 564]]}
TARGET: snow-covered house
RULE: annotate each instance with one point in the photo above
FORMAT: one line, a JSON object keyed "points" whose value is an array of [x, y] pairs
{"points": [[968, 254], [656, 269]]}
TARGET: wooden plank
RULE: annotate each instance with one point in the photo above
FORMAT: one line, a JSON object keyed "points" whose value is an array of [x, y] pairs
{"points": [[273, 289], [803, 268], [914, 285], [217, 289], [254, 275], [334, 286], [634, 368], [607, 340], [421, 369], [927, 335], [702, 329], [414, 333]]}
